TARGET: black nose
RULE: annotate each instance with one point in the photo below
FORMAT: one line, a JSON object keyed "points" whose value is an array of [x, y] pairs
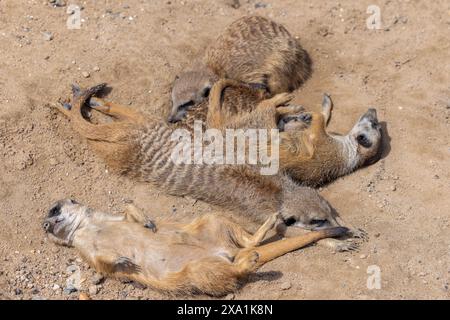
{"points": [[46, 225]]}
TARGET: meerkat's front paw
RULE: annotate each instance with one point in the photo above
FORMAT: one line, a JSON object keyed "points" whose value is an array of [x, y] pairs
{"points": [[346, 245], [340, 245], [359, 234]]}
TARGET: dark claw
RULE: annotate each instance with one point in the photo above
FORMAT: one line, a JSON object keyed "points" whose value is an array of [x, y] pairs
{"points": [[305, 117], [125, 265], [151, 225]]}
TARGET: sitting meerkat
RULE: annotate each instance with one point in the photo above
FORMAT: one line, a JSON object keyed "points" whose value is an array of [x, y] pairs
{"points": [[252, 49], [307, 151], [209, 255], [141, 148]]}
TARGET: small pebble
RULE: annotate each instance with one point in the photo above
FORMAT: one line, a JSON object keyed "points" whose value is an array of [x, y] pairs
{"points": [[69, 289], [48, 36], [84, 296], [362, 256], [96, 69], [286, 285], [55, 287], [85, 74], [93, 290]]}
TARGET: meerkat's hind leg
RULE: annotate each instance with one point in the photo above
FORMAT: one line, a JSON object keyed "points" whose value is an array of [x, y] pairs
{"points": [[114, 110], [327, 107]]}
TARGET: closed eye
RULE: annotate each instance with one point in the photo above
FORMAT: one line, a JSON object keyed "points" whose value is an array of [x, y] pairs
{"points": [[186, 105]]}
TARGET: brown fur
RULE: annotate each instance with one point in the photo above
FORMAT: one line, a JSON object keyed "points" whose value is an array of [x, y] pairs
{"points": [[236, 99], [308, 153], [252, 49], [209, 255], [141, 147]]}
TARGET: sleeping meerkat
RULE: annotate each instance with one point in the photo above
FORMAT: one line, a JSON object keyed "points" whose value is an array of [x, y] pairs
{"points": [[141, 148], [209, 255], [252, 49], [307, 151], [235, 99]]}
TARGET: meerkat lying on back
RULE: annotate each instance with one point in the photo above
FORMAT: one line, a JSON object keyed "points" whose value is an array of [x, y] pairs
{"points": [[141, 147], [252, 49], [209, 255], [307, 151]]}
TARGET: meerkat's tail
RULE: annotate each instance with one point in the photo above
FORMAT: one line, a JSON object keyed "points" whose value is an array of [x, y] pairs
{"points": [[276, 249]]}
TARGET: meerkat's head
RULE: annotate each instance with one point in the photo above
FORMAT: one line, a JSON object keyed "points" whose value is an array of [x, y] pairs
{"points": [[63, 220], [189, 89], [304, 207], [366, 135]]}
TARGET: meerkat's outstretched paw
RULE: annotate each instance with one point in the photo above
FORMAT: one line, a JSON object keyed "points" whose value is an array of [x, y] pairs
{"points": [[359, 234], [340, 245]]}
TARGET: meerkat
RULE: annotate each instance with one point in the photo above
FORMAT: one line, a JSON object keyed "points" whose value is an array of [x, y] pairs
{"points": [[252, 49], [210, 255], [236, 99], [307, 151], [141, 148]]}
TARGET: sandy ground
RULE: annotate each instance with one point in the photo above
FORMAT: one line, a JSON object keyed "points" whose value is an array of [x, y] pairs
{"points": [[138, 46]]}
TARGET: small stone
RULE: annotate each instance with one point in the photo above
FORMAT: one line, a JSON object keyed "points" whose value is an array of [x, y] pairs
{"points": [[70, 289], [285, 285], [363, 256], [235, 4], [96, 69], [48, 36], [260, 5], [52, 162], [58, 3], [377, 235], [85, 74], [84, 296], [55, 287], [422, 274], [93, 290], [393, 188]]}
